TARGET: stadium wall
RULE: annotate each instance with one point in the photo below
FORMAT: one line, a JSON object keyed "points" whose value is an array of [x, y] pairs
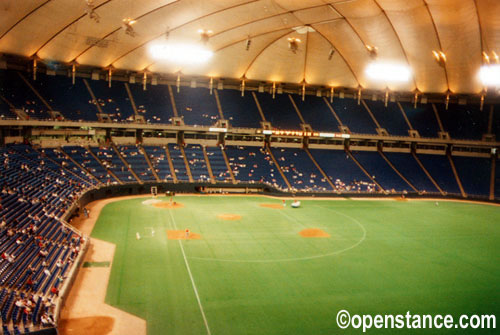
{"points": [[112, 191]]}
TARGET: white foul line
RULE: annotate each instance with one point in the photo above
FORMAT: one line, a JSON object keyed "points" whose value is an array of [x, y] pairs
{"points": [[191, 277]]}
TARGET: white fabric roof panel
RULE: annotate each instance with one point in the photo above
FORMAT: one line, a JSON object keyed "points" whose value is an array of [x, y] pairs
{"points": [[405, 31]]}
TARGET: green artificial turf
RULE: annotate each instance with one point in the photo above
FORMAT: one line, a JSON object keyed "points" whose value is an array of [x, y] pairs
{"points": [[257, 275]]}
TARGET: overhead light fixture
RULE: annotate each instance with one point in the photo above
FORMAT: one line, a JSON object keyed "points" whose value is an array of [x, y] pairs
{"points": [[388, 72], [304, 29], [440, 57], [91, 11], [205, 34], [293, 44], [490, 75], [372, 50], [181, 53], [330, 55], [127, 25]]}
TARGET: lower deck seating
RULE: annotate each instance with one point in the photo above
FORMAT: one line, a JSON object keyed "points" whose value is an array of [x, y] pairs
{"points": [[342, 171], [178, 162], [218, 164], [300, 170], [158, 157], [196, 161], [382, 172], [440, 169], [253, 164], [37, 248], [83, 157], [111, 161], [137, 162], [474, 174], [408, 167]]}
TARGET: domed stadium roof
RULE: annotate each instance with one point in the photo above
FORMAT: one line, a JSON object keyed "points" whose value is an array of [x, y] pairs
{"points": [[259, 39]]}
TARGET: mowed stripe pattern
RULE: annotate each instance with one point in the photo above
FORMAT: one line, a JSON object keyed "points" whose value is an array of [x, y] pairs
{"points": [[414, 256]]}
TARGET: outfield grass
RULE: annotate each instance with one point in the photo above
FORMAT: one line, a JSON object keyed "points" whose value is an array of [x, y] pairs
{"points": [[257, 275]]}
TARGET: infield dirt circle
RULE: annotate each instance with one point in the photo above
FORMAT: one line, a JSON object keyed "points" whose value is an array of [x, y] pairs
{"points": [[313, 232], [229, 217], [168, 205], [181, 235], [275, 206]]}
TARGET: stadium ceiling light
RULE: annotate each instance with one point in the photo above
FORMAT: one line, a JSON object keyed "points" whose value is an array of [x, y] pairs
{"points": [[293, 44], [439, 57], [490, 59], [372, 51], [388, 72], [490, 75], [127, 25], [91, 11], [205, 35], [181, 53]]}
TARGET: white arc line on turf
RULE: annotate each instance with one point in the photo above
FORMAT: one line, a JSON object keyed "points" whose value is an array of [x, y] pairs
{"points": [[191, 277], [293, 259]]}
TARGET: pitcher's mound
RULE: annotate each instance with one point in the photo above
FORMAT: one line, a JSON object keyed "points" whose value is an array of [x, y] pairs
{"points": [[275, 206], [92, 325], [181, 235], [169, 205], [229, 217], [313, 232]]}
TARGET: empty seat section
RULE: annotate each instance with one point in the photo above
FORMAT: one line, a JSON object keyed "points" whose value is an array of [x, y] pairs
{"points": [[20, 95], [474, 173], [279, 111], [389, 118], [197, 164], [495, 127], [197, 106], [240, 111], [112, 162], [253, 164], [158, 157], [137, 162], [315, 112], [382, 172], [464, 121], [113, 100], [153, 104], [300, 171], [354, 116], [408, 167], [342, 171], [85, 159], [440, 169], [59, 157], [218, 164], [178, 162], [497, 179], [73, 101], [5, 109], [422, 119]]}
